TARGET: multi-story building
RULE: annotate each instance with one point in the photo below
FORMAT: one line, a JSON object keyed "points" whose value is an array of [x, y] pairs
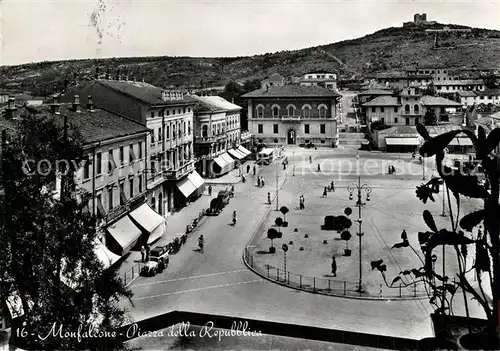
{"points": [[293, 114], [438, 72], [408, 108], [113, 175], [170, 175], [403, 80], [322, 79], [217, 135], [453, 86], [469, 97]]}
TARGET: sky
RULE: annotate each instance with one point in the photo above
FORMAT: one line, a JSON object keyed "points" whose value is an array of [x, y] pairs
{"points": [[47, 30]]}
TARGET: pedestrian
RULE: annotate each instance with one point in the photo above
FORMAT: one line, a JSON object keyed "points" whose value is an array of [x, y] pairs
{"points": [[389, 170], [334, 266], [258, 181], [310, 159], [248, 168], [254, 170], [209, 190], [324, 192], [303, 202], [332, 186], [262, 182], [413, 155], [148, 251], [269, 198], [393, 170], [404, 236], [243, 179], [143, 253], [284, 165], [319, 168], [232, 188]]}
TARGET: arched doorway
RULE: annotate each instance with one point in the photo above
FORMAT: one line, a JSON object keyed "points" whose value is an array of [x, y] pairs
{"points": [[291, 136]]}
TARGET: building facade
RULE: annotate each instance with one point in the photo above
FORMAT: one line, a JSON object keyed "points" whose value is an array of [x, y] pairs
{"points": [[171, 180], [217, 135], [293, 114], [453, 86], [322, 79], [403, 80], [469, 98]]}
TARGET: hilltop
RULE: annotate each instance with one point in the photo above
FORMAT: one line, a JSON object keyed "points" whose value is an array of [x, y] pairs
{"points": [[390, 48]]}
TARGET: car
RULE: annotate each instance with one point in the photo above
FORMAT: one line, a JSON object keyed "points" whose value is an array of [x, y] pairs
{"points": [[158, 261]]}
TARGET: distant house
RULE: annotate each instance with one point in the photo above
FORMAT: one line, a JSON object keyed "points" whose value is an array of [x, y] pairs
{"points": [[323, 79], [28, 100], [275, 80], [469, 98], [403, 80], [452, 86]]}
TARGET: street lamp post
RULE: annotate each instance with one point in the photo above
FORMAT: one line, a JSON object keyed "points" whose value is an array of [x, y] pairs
{"points": [[367, 189], [277, 187]]}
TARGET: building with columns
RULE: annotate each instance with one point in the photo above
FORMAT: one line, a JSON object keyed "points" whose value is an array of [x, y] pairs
{"points": [[171, 180], [293, 114]]}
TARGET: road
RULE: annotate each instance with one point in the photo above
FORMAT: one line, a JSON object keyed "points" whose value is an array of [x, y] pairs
{"points": [[218, 282]]}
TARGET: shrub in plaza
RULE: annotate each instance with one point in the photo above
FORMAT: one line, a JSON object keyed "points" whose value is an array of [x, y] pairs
{"points": [[47, 253], [279, 222], [346, 235], [284, 210], [271, 235], [477, 251], [337, 223]]}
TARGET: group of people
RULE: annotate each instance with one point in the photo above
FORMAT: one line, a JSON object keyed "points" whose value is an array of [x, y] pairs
{"points": [[145, 252], [301, 202], [260, 182], [391, 169], [330, 187]]}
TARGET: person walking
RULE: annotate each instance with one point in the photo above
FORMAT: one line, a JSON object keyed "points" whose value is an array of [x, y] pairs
{"points": [[262, 182], [310, 159], [269, 198], [303, 200], [332, 186], [248, 168], [232, 188], [404, 236], [143, 253], [209, 190], [324, 192], [334, 266], [148, 251], [254, 170], [319, 168], [258, 181]]}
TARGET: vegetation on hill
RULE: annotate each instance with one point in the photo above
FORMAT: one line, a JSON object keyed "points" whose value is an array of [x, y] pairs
{"points": [[390, 48]]}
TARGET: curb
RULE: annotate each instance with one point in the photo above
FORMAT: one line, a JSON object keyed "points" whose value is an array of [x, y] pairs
{"points": [[371, 298]]}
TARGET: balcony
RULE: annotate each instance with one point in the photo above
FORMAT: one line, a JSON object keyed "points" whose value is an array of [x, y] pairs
{"points": [[291, 119], [180, 172]]}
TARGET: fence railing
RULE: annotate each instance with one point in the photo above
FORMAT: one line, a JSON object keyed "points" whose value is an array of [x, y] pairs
{"points": [[132, 273], [334, 287]]}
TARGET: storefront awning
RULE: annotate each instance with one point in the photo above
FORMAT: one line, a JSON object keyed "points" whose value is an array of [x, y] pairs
{"points": [[196, 179], [220, 162], [104, 255], [157, 233], [229, 160], [236, 154], [465, 142], [186, 187], [125, 233], [243, 150], [146, 217], [402, 141]]}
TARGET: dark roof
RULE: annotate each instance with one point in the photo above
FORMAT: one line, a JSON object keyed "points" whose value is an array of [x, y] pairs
{"points": [[376, 92], [96, 125], [291, 91], [493, 92], [211, 103], [383, 101], [459, 82], [466, 93], [145, 92]]}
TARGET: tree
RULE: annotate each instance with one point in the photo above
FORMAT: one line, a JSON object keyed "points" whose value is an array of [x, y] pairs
{"points": [[430, 117], [284, 210], [279, 222], [492, 82], [346, 235], [430, 90], [48, 244], [273, 234]]}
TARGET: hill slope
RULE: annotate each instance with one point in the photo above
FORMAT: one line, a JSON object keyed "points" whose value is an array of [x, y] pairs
{"points": [[391, 48]]}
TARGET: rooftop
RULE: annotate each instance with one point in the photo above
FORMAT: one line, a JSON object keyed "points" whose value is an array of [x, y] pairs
{"points": [[291, 91], [493, 92], [376, 92], [459, 82], [383, 101], [95, 125], [466, 93], [211, 103], [438, 101], [144, 92]]}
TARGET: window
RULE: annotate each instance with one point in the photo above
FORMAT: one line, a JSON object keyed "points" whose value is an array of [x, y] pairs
{"points": [[168, 112], [184, 111], [131, 187], [184, 128], [204, 131], [131, 154], [260, 112], [189, 109], [322, 128], [415, 108], [276, 111], [152, 162], [291, 110], [167, 132], [396, 109], [98, 163], [123, 199], [160, 134], [189, 127], [395, 120], [374, 109], [152, 136], [275, 128], [140, 149], [381, 109], [260, 128], [307, 112], [122, 156], [140, 183], [162, 114], [323, 141], [306, 128], [110, 198], [382, 120], [179, 111], [407, 108], [322, 111], [407, 121], [100, 208], [173, 131], [111, 161], [86, 169]]}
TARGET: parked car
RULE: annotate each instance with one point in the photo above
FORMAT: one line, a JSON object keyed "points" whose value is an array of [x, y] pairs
{"points": [[158, 261]]}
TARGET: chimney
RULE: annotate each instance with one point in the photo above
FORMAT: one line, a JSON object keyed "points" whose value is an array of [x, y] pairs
{"points": [[90, 103], [76, 103], [11, 107]]}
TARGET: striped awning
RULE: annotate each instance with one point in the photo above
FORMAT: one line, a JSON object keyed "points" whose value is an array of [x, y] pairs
{"points": [[236, 153]]}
